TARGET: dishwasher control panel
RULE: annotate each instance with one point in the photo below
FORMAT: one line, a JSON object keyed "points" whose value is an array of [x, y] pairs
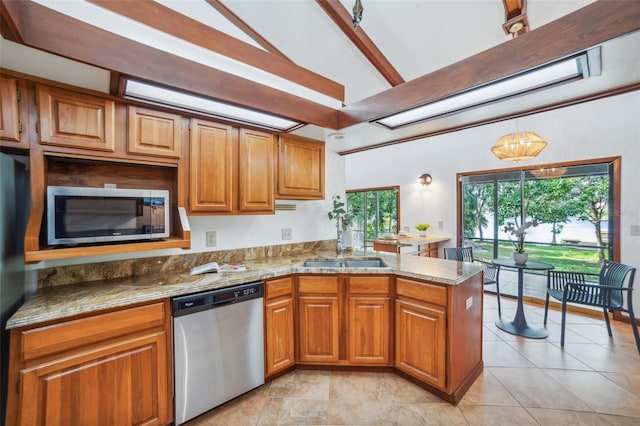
{"points": [[212, 299]]}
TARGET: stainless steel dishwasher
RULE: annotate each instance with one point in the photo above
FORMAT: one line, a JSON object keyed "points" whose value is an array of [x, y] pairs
{"points": [[218, 347]]}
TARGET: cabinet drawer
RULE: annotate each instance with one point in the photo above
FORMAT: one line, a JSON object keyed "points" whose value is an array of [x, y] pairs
{"points": [[70, 334], [280, 287], [369, 285], [422, 291], [328, 284]]}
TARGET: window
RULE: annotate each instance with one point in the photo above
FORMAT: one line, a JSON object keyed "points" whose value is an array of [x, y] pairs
{"points": [[572, 204], [376, 212]]}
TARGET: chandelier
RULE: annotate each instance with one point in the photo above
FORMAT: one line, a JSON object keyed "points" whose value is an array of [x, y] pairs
{"points": [[518, 146]]}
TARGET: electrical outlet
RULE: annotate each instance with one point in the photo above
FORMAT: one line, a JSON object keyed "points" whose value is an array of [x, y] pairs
{"points": [[212, 239], [635, 230], [286, 233], [469, 302]]}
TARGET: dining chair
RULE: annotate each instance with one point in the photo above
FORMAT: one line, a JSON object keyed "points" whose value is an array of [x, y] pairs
{"points": [[491, 272], [611, 288]]}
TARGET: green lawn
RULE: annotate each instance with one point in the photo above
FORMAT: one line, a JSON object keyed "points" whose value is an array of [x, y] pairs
{"points": [[562, 257]]}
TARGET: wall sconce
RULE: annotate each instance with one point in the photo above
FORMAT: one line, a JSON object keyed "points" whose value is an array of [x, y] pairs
{"points": [[425, 179]]}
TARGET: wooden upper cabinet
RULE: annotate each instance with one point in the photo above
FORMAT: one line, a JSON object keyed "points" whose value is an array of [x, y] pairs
{"points": [[256, 171], [9, 113], [300, 168], [75, 120], [211, 188], [232, 170], [154, 133]]}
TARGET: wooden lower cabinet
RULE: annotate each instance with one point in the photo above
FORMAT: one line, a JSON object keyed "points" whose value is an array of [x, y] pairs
{"points": [[438, 334], [420, 341], [369, 320], [112, 368], [318, 319], [279, 325]]}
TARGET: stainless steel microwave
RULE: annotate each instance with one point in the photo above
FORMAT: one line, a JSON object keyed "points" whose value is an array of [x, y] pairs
{"points": [[98, 215]]}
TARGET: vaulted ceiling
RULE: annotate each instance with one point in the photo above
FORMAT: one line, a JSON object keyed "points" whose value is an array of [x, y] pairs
{"points": [[404, 53]]}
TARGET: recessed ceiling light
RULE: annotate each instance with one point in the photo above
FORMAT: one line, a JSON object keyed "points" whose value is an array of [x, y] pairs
{"points": [[336, 136]]}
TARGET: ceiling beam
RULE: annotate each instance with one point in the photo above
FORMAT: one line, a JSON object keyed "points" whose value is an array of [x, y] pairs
{"points": [[359, 38], [587, 27], [166, 20], [245, 28], [67, 37]]}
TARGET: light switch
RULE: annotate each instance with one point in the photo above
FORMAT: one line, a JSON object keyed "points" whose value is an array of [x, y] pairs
{"points": [[469, 302], [635, 230]]}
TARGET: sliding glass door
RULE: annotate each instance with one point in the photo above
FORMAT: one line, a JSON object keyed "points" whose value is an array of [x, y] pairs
{"points": [[570, 207]]}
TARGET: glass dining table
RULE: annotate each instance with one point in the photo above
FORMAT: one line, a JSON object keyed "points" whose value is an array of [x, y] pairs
{"points": [[518, 325]]}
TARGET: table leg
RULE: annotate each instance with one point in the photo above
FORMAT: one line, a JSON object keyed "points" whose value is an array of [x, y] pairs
{"points": [[518, 325]]}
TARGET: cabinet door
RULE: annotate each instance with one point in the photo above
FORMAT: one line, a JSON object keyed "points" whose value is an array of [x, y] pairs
{"points": [[368, 330], [256, 172], [300, 168], [420, 341], [279, 340], [211, 187], [9, 113], [154, 133], [319, 329], [75, 120], [121, 383]]}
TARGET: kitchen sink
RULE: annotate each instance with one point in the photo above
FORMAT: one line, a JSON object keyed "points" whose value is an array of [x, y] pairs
{"points": [[364, 263], [345, 263]]}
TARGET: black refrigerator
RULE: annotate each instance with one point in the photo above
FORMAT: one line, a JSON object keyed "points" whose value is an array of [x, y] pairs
{"points": [[14, 200]]}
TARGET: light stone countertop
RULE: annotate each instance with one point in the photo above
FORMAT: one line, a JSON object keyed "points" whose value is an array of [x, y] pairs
{"points": [[59, 302]]}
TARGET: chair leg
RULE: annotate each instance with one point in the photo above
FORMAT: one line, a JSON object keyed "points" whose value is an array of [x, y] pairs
{"points": [[634, 324], [564, 320], [498, 296], [606, 318], [546, 309]]}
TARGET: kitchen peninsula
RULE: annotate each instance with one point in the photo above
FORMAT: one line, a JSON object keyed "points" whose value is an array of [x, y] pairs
{"points": [[410, 244], [420, 316]]}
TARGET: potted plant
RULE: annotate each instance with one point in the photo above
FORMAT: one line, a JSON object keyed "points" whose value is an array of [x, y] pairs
{"points": [[520, 256], [343, 219], [422, 229]]}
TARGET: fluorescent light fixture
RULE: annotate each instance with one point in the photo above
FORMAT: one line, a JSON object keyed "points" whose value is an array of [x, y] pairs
{"points": [[133, 30], [560, 72], [138, 90]]}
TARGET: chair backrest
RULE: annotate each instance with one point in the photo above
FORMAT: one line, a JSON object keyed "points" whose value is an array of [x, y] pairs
{"points": [[616, 274], [461, 254]]}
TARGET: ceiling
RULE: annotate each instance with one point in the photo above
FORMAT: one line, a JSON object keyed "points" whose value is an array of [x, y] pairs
{"points": [[405, 53]]}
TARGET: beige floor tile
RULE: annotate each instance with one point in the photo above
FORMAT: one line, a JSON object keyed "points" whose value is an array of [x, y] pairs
{"points": [[630, 382], [428, 414], [600, 393], [495, 416], [489, 334], [487, 390], [555, 333], [308, 384], [500, 354], [244, 410], [361, 413], [545, 355], [604, 359], [356, 386], [549, 417], [531, 387], [294, 411], [399, 389]]}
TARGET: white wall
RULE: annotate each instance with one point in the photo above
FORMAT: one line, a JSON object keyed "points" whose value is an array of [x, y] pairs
{"points": [[604, 128]]}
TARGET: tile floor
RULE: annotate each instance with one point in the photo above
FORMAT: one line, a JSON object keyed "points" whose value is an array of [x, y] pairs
{"points": [[595, 380]]}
